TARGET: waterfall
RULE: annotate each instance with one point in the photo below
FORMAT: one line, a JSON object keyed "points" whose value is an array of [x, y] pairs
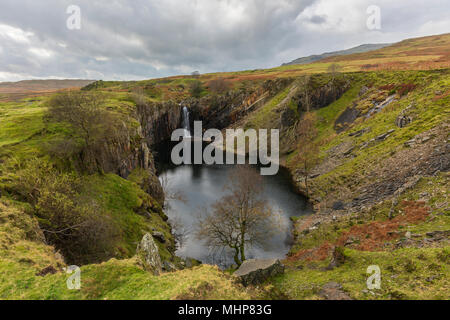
{"points": [[186, 123]]}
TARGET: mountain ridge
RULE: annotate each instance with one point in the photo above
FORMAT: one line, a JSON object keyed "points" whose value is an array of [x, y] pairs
{"points": [[42, 85], [358, 49]]}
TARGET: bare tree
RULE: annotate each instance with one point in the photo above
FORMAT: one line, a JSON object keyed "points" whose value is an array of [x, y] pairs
{"points": [[179, 230], [240, 219], [138, 96], [169, 193], [306, 99], [307, 148], [334, 69]]}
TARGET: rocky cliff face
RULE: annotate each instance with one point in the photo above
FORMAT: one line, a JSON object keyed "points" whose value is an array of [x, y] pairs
{"points": [[321, 96], [120, 154], [132, 148], [158, 121], [222, 111]]}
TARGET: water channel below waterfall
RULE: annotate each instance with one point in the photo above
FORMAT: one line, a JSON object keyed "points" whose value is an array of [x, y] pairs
{"points": [[202, 185]]}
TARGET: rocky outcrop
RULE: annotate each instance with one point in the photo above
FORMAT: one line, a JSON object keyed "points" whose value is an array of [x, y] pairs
{"points": [[384, 136], [432, 239], [253, 272], [402, 121], [321, 96], [426, 154], [438, 235], [47, 270], [404, 118], [148, 255], [333, 291], [149, 182], [337, 258], [121, 152], [140, 156], [338, 205], [378, 106], [288, 118], [191, 262], [347, 117], [159, 236], [169, 266], [156, 122], [118, 153]]}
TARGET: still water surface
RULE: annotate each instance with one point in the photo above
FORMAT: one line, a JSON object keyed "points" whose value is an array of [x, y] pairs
{"points": [[202, 185]]}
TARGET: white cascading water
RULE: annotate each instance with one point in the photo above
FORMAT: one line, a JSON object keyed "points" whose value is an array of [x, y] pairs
{"points": [[186, 123]]}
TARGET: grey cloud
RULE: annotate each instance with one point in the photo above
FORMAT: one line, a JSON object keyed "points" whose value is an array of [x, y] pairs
{"points": [[318, 19], [139, 39]]}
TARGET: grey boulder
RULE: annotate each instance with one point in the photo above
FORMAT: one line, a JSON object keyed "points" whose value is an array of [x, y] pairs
{"points": [[148, 255], [253, 272]]}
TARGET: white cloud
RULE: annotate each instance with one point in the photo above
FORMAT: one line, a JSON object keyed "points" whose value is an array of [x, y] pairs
{"points": [[435, 27], [41, 52], [15, 34], [101, 58], [10, 76]]}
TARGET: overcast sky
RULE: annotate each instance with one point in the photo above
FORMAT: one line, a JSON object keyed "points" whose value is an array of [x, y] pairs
{"points": [[141, 39]]}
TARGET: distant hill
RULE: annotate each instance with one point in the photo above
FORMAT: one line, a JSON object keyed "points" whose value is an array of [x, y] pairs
{"points": [[26, 86], [359, 49]]}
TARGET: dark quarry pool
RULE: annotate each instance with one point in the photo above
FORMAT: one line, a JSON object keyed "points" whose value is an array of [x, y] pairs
{"points": [[202, 185]]}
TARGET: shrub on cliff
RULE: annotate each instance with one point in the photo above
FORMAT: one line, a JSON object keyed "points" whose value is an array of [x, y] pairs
{"points": [[196, 88], [219, 86], [94, 129], [72, 223]]}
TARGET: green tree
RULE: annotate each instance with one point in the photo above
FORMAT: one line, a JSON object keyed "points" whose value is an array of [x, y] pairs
{"points": [[92, 124]]}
